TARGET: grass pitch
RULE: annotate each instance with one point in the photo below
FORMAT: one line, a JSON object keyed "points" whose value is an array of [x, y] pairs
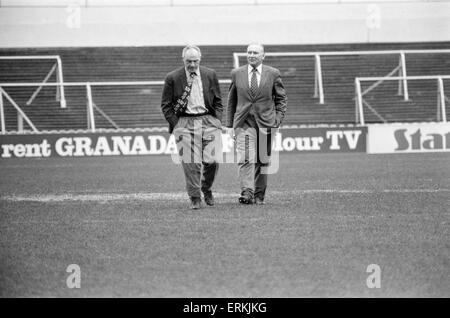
{"points": [[126, 222]]}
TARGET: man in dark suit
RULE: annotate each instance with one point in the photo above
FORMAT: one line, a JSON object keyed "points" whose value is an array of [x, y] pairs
{"points": [[192, 104], [257, 104]]}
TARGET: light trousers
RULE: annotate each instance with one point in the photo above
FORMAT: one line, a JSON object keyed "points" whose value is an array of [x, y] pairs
{"points": [[199, 145]]}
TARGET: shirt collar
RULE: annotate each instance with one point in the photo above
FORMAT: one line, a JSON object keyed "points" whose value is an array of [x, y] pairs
{"points": [[197, 71], [259, 69]]}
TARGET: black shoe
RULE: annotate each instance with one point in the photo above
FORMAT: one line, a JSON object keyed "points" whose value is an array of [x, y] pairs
{"points": [[195, 203], [259, 201], [209, 198], [246, 198]]}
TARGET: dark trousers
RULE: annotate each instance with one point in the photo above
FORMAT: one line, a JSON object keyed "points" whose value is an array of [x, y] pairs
{"points": [[253, 150]]}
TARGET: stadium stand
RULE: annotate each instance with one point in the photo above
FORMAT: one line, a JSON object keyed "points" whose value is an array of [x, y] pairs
{"points": [[139, 106]]}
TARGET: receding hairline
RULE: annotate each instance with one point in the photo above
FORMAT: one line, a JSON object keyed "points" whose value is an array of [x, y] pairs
{"points": [[191, 47], [258, 45]]}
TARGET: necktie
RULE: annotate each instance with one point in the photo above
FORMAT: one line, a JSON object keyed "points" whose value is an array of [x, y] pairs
{"points": [[182, 102], [254, 83]]}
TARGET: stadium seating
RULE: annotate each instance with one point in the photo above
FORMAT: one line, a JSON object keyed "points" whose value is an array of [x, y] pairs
{"points": [[139, 106]]}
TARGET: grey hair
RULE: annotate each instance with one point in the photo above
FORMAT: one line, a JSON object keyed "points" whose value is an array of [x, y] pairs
{"points": [[188, 47]]}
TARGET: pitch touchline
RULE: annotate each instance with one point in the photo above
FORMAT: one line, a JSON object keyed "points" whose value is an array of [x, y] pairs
{"points": [[166, 196]]}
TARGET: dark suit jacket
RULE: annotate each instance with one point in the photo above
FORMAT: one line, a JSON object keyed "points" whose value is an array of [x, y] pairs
{"points": [[174, 85], [269, 104]]}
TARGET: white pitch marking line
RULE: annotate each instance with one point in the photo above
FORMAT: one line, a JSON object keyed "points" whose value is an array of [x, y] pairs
{"points": [[416, 190], [166, 196]]}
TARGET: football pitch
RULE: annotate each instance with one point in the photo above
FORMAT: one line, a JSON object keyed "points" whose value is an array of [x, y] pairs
{"points": [[126, 222]]}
